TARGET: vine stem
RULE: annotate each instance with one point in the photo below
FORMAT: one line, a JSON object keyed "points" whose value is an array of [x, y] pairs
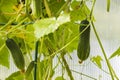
{"points": [[108, 5], [67, 66], [35, 65], [9, 22], [103, 51], [84, 74]]}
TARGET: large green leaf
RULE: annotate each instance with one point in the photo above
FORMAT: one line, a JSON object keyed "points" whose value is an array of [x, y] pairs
{"points": [[116, 53], [30, 38], [65, 37], [48, 25], [4, 54], [67, 34]]}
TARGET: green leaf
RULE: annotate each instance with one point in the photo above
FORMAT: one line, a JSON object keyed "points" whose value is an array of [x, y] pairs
{"points": [[97, 60], [80, 12], [30, 38], [57, 5], [59, 78], [4, 54], [48, 25], [17, 73], [19, 77], [60, 38], [116, 53], [2, 17], [7, 5], [75, 5], [6, 9], [65, 34]]}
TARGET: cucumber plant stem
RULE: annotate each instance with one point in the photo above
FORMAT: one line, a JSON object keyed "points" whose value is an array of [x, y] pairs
{"points": [[35, 65], [84, 74], [103, 51], [108, 5]]}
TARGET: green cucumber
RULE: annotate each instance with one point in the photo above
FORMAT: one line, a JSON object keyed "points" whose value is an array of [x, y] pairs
{"points": [[16, 54], [83, 49]]}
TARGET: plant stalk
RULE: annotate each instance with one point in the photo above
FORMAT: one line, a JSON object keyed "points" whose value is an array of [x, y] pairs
{"points": [[83, 74], [103, 51], [35, 65]]}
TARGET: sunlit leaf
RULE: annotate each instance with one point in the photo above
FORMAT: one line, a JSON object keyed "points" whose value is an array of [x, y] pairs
{"points": [[97, 60], [116, 53], [48, 25]]}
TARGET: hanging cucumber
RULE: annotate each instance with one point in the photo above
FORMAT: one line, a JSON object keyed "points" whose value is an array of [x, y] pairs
{"points": [[16, 54], [83, 49]]}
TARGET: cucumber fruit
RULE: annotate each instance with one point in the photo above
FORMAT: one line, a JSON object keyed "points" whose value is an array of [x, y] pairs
{"points": [[16, 54], [83, 49]]}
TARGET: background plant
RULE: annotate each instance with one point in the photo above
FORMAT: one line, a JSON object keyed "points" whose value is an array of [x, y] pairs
{"points": [[54, 24]]}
